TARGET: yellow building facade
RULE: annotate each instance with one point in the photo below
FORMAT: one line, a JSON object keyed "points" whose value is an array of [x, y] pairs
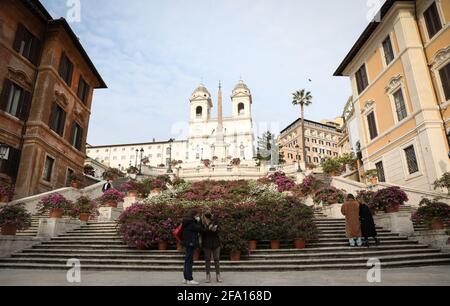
{"points": [[400, 74]]}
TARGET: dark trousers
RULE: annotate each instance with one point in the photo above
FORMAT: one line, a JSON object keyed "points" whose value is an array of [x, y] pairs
{"points": [[216, 254], [188, 263]]}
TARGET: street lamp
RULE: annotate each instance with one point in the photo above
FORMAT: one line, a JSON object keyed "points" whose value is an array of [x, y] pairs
{"points": [[297, 148], [169, 170], [135, 163], [140, 164]]}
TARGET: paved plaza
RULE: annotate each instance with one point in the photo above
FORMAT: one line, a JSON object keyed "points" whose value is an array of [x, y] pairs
{"points": [[424, 276]]}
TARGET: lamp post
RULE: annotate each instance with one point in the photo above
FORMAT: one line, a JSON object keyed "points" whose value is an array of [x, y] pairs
{"points": [[140, 164], [169, 170], [297, 148], [135, 163]]}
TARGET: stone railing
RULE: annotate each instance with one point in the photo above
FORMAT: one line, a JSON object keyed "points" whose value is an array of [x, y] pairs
{"points": [[93, 192], [222, 173], [414, 195]]}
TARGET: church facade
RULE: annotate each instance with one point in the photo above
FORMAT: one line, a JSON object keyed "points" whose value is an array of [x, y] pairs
{"points": [[221, 138]]}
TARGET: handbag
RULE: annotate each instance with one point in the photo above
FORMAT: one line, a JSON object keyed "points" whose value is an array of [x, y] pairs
{"points": [[178, 232]]}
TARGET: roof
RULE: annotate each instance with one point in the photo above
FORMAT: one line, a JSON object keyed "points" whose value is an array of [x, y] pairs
{"points": [[40, 11], [311, 122], [133, 144], [365, 36]]}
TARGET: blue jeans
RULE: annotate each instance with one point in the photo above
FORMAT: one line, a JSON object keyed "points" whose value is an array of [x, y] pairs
{"points": [[358, 241], [188, 263]]}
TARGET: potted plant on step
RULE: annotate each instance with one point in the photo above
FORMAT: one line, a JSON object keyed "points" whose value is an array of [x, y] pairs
{"points": [[443, 182], [157, 185], [56, 205], [83, 208], [331, 166], [112, 197], [76, 180], [390, 199], [329, 196], [6, 193], [14, 217], [132, 188], [372, 176], [366, 197], [432, 213]]}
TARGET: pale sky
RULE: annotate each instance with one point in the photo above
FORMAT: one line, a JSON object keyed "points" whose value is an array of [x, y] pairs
{"points": [[153, 54]]}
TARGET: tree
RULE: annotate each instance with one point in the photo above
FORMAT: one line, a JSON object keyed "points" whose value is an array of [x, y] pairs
{"points": [[265, 146], [89, 170], [302, 98]]}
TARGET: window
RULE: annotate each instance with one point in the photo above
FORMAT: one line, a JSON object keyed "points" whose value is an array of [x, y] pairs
{"points": [[48, 169], [444, 73], [432, 20], [77, 136], [58, 120], [15, 100], [9, 164], [316, 160], [66, 69], [381, 177], [400, 105], [69, 176], [372, 125], [361, 79], [411, 160], [241, 109], [199, 112], [388, 50], [27, 45], [83, 90]]}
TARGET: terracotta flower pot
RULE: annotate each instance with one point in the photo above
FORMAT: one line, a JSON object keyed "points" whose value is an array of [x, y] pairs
{"points": [[85, 217], [197, 255], [141, 247], [9, 230], [156, 190], [437, 225], [162, 245], [179, 246], [333, 173], [4, 199], [374, 180], [299, 243], [75, 184], [112, 204], [235, 256], [392, 209], [132, 193], [275, 244], [56, 213], [252, 245]]}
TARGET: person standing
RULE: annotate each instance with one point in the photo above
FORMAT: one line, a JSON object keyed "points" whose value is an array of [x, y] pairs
{"points": [[211, 245], [107, 186], [350, 210], [368, 228], [190, 241]]}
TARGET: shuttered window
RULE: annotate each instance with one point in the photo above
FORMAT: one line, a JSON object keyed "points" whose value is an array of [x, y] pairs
{"points": [[444, 73], [66, 69], [411, 160], [361, 79], [432, 20], [27, 45], [77, 136], [57, 120], [372, 125], [400, 105], [15, 100], [388, 50], [381, 177], [83, 90], [48, 169], [9, 164]]}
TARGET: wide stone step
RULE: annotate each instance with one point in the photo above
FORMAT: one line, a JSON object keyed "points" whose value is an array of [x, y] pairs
{"points": [[268, 262], [109, 238], [335, 244], [57, 241], [342, 234]]}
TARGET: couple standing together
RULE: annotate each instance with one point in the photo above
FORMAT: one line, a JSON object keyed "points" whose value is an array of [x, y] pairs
{"points": [[198, 226], [359, 222]]}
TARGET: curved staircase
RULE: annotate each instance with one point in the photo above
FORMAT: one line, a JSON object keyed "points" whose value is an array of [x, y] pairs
{"points": [[99, 247]]}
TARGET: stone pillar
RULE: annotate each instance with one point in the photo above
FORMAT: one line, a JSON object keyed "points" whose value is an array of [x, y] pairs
{"points": [[398, 223], [107, 214], [49, 228]]}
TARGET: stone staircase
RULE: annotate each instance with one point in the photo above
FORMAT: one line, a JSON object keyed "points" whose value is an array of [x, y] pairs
{"points": [[33, 229], [100, 248]]}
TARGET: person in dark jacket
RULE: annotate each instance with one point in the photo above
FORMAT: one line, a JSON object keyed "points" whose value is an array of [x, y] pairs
{"points": [[107, 186], [368, 228], [189, 239], [211, 245]]}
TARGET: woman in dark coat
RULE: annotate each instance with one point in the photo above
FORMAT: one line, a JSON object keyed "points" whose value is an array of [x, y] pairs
{"points": [[211, 245], [189, 239], [368, 228]]}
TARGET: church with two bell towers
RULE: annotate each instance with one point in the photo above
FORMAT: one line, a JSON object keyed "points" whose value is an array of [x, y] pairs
{"points": [[221, 138]]}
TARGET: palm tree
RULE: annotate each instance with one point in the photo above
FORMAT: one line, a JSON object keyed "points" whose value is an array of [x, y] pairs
{"points": [[302, 98]]}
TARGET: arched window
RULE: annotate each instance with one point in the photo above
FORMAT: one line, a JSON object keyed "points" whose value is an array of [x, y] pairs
{"points": [[241, 109], [199, 112]]}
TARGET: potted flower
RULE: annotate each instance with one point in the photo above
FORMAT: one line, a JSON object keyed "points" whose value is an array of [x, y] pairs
{"points": [[366, 197], [163, 233], [75, 180], [138, 234], [112, 197], [443, 182], [132, 170], [372, 176], [331, 166], [235, 162], [157, 185], [6, 194], [251, 232], [390, 199], [432, 213], [329, 196], [206, 163], [132, 188], [14, 217], [84, 207], [310, 185], [161, 166], [56, 205]]}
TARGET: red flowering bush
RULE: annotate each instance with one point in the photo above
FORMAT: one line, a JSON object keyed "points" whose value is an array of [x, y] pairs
{"points": [[15, 215], [283, 182], [132, 185], [310, 184], [7, 192], [112, 195], [390, 197], [329, 195], [432, 210], [366, 197], [54, 201]]}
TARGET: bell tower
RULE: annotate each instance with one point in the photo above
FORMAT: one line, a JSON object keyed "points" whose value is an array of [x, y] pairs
{"points": [[241, 100], [201, 105]]}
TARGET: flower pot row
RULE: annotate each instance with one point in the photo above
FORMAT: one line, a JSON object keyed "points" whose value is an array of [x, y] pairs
{"points": [[299, 243]]}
